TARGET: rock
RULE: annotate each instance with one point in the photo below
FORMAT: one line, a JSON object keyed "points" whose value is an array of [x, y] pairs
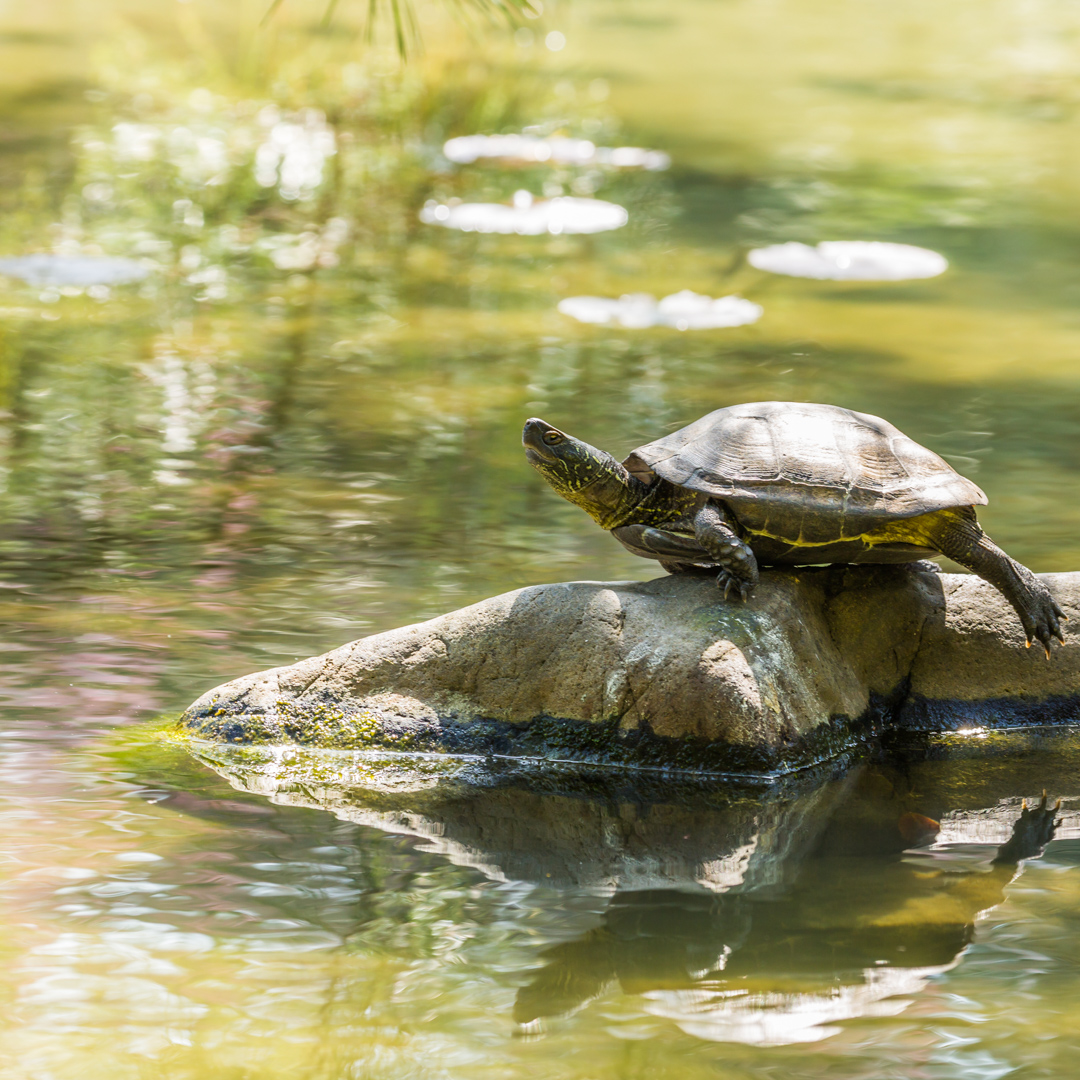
{"points": [[972, 668], [666, 673]]}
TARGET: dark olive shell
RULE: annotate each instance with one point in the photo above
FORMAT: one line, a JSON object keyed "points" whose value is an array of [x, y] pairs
{"points": [[807, 473]]}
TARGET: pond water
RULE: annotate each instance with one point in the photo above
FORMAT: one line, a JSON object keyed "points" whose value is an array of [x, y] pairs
{"points": [[296, 420]]}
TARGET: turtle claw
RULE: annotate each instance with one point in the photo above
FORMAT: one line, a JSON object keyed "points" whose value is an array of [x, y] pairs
{"points": [[1042, 622], [1045, 645], [728, 581]]}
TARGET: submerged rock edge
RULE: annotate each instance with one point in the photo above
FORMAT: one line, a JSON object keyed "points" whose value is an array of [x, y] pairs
{"points": [[664, 675]]}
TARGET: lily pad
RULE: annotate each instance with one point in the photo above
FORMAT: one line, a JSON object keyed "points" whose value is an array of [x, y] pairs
{"points": [[850, 260], [527, 216], [559, 150], [684, 310], [73, 270]]}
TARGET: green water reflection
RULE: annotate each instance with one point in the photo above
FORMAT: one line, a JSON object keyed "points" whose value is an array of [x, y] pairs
{"points": [[304, 425], [164, 924]]}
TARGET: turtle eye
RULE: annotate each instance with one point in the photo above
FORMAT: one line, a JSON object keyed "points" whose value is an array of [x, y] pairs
{"points": [[552, 438]]}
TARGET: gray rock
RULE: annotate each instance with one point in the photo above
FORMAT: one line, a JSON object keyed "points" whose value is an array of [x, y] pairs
{"points": [[665, 673], [972, 668]]}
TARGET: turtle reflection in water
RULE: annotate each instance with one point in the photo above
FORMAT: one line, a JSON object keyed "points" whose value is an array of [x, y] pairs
{"points": [[788, 483], [746, 948]]}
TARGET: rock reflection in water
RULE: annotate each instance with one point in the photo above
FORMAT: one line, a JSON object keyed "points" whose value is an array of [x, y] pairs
{"points": [[754, 966], [762, 917]]}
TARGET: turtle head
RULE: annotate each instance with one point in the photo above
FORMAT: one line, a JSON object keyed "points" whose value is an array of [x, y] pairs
{"points": [[580, 473]]}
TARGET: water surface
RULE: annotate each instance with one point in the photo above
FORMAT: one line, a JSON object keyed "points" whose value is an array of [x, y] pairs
{"points": [[302, 424]]}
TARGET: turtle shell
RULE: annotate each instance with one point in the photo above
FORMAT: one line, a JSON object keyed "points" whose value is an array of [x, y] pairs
{"points": [[810, 474]]}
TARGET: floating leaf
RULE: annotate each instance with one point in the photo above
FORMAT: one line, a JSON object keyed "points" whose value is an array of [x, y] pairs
{"points": [[527, 216], [850, 260], [558, 150], [684, 310], [75, 270]]}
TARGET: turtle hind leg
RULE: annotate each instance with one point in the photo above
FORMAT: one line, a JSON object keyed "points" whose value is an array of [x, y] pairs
{"points": [[962, 540], [738, 568], [677, 552], [663, 544]]}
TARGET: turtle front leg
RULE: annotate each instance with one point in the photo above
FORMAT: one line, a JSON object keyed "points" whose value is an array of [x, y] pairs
{"points": [[963, 541], [738, 566]]}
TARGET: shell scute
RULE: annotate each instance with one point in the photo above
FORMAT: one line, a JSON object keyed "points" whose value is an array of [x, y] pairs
{"points": [[836, 471]]}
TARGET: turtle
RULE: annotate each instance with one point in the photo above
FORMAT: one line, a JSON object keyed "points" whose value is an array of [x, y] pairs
{"points": [[787, 483]]}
